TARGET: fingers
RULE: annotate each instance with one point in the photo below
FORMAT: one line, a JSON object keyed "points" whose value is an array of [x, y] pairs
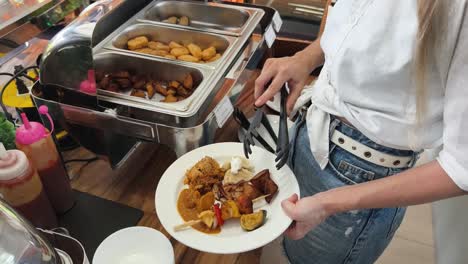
{"points": [[293, 198], [263, 79], [295, 90], [273, 89], [289, 206]]}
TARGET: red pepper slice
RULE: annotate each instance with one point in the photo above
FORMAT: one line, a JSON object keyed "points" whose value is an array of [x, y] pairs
{"points": [[217, 212]]}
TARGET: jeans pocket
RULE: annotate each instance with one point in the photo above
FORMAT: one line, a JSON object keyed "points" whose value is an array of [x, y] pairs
{"points": [[348, 168], [396, 221]]}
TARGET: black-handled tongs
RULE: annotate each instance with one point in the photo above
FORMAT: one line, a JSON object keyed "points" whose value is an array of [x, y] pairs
{"points": [[282, 142], [242, 120], [259, 118], [282, 147]]}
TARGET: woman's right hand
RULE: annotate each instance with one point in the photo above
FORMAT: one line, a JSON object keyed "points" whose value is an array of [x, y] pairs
{"points": [[292, 70]]}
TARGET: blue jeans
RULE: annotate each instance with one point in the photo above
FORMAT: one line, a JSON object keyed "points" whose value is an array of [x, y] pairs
{"points": [[350, 237]]}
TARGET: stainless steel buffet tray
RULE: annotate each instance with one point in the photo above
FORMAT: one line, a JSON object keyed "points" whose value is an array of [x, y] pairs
{"points": [[223, 44], [213, 17], [187, 111], [109, 62]]}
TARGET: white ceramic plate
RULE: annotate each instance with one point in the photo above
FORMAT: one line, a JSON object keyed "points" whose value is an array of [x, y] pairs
{"points": [[232, 239], [135, 245], [274, 122]]}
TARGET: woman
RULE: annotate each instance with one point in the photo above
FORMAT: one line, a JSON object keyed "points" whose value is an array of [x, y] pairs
{"points": [[394, 82]]}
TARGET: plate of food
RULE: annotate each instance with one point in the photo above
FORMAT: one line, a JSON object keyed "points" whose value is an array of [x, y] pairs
{"points": [[214, 200]]}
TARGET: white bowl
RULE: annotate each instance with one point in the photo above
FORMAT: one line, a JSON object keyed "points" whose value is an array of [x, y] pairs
{"points": [[135, 245]]}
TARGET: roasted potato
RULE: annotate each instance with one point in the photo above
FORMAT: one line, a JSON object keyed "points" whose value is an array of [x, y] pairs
{"points": [[184, 21], [216, 57], [161, 53], [171, 20], [138, 93], [170, 99], [150, 90], [160, 89], [189, 58], [137, 43], [158, 46], [171, 91], [174, 84], [144, 50], [182, 92], [188, 82], [174, 45], [179, 51], [195, 50], [169, 56], [208, 53]]}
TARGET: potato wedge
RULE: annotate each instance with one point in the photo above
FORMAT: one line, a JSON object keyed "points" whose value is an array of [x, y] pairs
{"points": [[137, 43], [216, 57], [184, 21], [179, 51], [158, 46], [150, 90], [174, 45], [171, 91], [144, 50], [188, 82], [195, 50], [188, 58], [158, 87], [181, 91], [171, 20], [161, 53], [208, 53], [170, 99], [169, 56], [174, 84], [138, 93]]}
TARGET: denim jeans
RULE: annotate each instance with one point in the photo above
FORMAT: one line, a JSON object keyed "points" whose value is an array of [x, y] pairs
{"points": [[358, 236]]}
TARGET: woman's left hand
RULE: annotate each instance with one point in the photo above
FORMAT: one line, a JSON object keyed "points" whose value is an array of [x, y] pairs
{"points": [[307, 213]]}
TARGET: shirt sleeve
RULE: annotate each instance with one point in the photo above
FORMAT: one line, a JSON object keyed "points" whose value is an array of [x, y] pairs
{"points": [[454, 155]]}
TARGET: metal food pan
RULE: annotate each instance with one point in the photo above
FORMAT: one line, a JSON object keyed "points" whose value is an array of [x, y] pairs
{"points": [[109, 62], [201, 16], [181, 36]]}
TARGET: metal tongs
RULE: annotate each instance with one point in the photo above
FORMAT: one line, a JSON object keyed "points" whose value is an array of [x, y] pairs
{"points": [[282, 142]]}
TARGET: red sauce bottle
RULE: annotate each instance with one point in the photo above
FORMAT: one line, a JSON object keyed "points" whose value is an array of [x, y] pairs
{"points": [[22, 188], [36, 142]]}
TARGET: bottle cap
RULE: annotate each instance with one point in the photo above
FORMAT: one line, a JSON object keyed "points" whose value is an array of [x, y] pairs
{"points": [[13, 165], [31, 132], [3, 152]]}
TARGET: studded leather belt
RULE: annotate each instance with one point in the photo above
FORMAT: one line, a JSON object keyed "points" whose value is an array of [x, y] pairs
{"points": [[366, 153]]}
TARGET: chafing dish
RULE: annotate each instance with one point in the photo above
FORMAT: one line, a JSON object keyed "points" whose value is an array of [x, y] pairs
{"points": [[221, 18], [112, 123]]}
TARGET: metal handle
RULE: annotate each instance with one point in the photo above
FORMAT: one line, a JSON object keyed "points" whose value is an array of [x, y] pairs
{"points": [[109, 122]]}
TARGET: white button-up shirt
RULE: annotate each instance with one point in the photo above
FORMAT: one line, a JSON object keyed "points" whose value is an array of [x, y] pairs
{"points": [[369, 47]]}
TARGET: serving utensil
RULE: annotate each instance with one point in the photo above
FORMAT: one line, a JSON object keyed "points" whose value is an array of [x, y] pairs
{"points": [[242, 120], [282, 146]]}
